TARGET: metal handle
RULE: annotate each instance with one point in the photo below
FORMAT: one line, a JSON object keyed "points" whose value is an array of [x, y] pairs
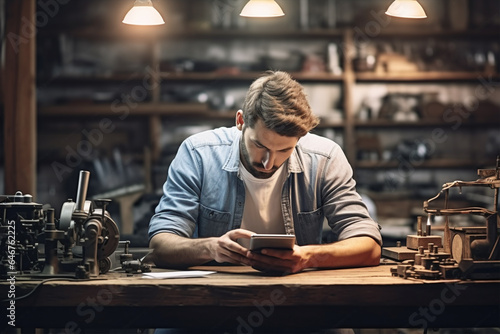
{"points": [[81, 194]]}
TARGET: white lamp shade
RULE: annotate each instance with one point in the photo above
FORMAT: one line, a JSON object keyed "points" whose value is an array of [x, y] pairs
{"points": [[143, 13], [407, 9], [262, 8]]}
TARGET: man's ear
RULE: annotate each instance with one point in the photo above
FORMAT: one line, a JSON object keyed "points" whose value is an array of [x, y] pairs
{"points": [[239, 120]]}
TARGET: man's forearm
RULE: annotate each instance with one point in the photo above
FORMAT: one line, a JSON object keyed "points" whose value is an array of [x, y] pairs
{"points": [[170, 250], [353, 252]]}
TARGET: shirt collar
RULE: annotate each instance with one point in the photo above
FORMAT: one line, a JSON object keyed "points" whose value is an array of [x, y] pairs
{"points": [[233, 160], [294, 162]]}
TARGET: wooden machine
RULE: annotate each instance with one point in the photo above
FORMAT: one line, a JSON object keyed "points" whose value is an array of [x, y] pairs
{"points": [[463, 252]]}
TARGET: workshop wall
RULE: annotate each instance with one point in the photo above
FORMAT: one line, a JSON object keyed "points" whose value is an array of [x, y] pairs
{"points": [[414, 104]]}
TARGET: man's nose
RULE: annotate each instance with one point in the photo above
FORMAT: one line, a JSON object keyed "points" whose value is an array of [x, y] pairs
{"points": [[268, 160]]}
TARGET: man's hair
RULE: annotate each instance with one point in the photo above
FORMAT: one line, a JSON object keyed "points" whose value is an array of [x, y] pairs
{"points": [[280, 102]]}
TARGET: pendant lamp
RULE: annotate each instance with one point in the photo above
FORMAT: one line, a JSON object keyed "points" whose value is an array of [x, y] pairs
{"points": [[262, 8], [407, 9], [143, 13]]}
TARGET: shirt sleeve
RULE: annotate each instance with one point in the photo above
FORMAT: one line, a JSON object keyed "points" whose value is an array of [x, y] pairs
{"points": [[345, 210], [177, 210]]}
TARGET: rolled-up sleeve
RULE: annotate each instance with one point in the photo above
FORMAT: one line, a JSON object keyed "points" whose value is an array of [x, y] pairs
{"points": [[177, 210], [344, 208]]}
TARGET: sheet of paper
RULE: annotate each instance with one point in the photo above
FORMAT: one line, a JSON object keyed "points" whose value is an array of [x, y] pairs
{"points": [[178, 274]]}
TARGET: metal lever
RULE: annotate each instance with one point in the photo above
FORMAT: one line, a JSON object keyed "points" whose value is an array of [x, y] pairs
{"points": [[81, 195]]}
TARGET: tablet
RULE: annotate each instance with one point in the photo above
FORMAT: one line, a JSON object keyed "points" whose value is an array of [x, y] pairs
{"points": [[279, 241]]}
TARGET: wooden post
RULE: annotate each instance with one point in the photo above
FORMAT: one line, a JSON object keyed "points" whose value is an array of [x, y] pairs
{"points": [[349, 82], [19, 96], [155, 125]]}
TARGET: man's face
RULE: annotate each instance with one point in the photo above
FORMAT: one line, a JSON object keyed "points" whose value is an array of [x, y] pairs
{"points": [[263, 151]]}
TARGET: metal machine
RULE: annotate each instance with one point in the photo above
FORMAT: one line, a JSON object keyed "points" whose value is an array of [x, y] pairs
{"points": [[463, 252], [78, 244]]}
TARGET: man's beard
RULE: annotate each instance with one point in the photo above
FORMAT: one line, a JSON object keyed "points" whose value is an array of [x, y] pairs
{"points": [[250, 167]]}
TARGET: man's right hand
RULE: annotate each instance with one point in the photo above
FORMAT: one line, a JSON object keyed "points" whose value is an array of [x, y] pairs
{"points": [[173, 251], [227, 249]]}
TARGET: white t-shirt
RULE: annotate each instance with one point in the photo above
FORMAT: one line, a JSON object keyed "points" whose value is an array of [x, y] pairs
{"points": [[262, 211]]}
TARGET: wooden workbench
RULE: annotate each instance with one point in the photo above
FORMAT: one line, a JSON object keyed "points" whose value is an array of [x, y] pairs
{"points": [[242, 300]]}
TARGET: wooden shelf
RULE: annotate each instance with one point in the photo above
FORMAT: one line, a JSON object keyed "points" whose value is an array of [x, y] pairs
{"points": [[246, 76], [105, 109], [382, 123], [190, 77], [121, 31], [98, 78], [301, 76], [259, 33], [422, 32], [151, 33], [432, 164], [144, 109], [424, 76]]}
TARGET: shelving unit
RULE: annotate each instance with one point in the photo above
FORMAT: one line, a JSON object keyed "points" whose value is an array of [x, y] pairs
{"points": [[158, 113], [156, 109]]}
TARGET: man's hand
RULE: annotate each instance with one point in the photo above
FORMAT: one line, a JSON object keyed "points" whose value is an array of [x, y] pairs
{"points": [[173, 251], [353, 252], [227, 249], [278, 261]]}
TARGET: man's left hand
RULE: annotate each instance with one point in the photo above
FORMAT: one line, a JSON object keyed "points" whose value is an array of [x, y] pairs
{"points": [[278, 261]]}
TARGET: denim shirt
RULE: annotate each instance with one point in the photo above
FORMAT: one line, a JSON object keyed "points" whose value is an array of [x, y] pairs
{"points": [[204, 195]]}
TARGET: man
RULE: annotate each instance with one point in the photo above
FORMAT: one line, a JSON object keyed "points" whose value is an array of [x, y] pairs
{"points": [[267, 174]]}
